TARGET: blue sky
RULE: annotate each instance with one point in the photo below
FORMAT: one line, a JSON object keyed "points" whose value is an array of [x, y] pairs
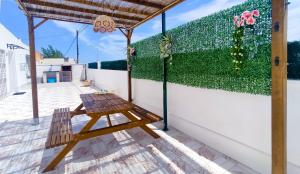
{"points": [[96, 46]]}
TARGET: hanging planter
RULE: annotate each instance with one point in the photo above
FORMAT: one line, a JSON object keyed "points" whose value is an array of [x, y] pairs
{"points": [[131, 52], [238, 52], [165, 47]]}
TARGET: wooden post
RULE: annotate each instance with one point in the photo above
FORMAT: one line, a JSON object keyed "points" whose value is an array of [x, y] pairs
{"points": [[165, 71], [129, 68], [33, 67], [279, 86]]}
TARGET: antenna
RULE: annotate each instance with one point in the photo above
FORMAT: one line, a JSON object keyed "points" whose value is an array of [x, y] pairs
{"points": [[77, 60]]}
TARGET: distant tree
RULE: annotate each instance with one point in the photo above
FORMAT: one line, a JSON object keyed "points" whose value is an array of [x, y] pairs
{"points": [[51, 52]]}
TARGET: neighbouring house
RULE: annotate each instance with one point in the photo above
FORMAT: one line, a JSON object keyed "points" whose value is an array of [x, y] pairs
{"points": [[52, 70], [55, 61], [14, 62]]}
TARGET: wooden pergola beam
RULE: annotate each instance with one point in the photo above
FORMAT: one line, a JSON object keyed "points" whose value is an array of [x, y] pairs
{"points": [[145, 3], [23, 8], [59, 19], [158, 13], [53, 12], [79, 9], [33, 67], [279, 86], [111, 7], [40, 23]]}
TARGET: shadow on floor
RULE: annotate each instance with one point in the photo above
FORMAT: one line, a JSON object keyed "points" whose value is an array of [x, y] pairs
{"points": [[131, 151]]}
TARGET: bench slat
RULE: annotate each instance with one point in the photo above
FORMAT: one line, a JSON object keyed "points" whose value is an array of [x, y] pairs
{"points": [[146, 115], [60, 131]]}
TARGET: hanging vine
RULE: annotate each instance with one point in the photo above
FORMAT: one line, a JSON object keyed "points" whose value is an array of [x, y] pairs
{"points": [[238, 52], [165, 47]]}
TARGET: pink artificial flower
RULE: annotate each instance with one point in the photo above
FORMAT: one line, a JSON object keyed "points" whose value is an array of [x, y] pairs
{"points": [[242, 22], [255, 13], [235, 18], [251, 21], [247, 14]]}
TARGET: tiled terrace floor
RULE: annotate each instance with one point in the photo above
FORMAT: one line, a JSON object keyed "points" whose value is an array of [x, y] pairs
{"points": [[132, 151]]}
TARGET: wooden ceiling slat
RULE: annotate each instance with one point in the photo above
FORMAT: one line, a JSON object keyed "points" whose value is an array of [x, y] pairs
{"points": [[80, 9], [53, 12], [68, 10], [112, 7], [146, 3], [44, 16]]}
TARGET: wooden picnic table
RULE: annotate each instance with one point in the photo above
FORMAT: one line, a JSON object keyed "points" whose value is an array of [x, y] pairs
{"points": [[95, 106]]}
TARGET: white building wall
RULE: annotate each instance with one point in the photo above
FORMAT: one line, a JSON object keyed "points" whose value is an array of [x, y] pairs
{"points": [[56, 61], [78, 71], [236, 124], [40, 69], [15, 58]]}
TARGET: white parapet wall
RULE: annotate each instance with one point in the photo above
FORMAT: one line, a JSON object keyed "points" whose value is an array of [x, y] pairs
{"points": [[109, 80], [78, 72], [236, 124]]}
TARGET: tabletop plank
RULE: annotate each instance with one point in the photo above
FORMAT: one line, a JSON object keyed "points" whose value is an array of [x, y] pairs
{"points": [[103, 104]]}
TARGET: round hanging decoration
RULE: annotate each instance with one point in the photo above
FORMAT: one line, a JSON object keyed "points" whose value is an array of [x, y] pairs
{"points": [[104, 24]]}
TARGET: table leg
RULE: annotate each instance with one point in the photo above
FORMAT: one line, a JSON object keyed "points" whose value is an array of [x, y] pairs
{"points": [[144, 127], [109, 121], [90, 124], [70, 145], [79, 107], [60, 156], [78, 111]]}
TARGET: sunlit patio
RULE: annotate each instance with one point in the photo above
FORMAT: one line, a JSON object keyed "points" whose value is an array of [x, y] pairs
{"points": [[132, 151], [208, 96]]}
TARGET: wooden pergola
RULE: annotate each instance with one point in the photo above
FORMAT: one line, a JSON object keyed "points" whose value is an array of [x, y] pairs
{"points": [[128, 14]]}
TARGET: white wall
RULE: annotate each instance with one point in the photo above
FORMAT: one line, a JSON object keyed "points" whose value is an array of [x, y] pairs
{"points": [[16, 76], [236, 124], [40, 69], [78, 72], [109, 80]]}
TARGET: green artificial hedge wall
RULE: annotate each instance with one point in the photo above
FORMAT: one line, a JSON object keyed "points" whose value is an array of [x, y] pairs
{"points": [[93, 65], [201, 53], [115, 65], [294, 60]]}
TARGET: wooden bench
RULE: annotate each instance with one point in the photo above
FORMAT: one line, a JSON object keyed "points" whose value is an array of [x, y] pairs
{"points": [[60, 132], [95, 106], [145, 115]]}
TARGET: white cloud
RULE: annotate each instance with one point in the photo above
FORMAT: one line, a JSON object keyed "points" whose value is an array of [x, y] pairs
{"points": [[113, 45], [206, 9], [294, 20], [109, 46], [199, 12], [72, 27], [217, 5]]}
